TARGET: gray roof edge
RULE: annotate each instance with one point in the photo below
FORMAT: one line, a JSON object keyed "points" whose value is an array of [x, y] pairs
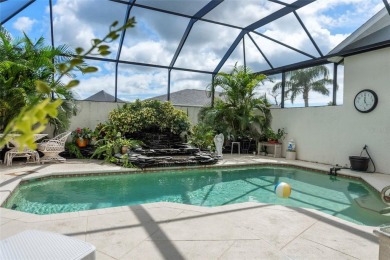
{"points": [[186, 105], [353, 36]]}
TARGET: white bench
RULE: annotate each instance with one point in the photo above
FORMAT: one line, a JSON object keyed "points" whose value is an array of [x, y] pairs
{"points": [[34, 244]]}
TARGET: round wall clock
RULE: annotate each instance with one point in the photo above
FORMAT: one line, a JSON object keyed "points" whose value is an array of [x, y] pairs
{"points": [[366, 101]]}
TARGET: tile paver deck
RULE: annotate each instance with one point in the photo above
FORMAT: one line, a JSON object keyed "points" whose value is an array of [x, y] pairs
{"points": [[176, 231]]}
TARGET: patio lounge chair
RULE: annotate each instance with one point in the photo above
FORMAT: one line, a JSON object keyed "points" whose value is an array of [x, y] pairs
{"points": [[53, 147]]}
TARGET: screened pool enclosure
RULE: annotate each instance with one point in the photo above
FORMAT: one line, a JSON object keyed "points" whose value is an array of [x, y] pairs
{"points": [[183, 44]]}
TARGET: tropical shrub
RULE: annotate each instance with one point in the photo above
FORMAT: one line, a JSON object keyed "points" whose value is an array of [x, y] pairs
{"points": [[202, 136], [22, 62], [304, 81], [240, 111], [107, 147], [34, 116], [73, 150], [149, 116]]}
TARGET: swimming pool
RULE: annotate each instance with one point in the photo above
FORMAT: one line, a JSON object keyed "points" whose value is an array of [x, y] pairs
{"points": [[204, 187]]}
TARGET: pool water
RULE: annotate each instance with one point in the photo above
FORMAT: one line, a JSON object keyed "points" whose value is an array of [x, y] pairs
{"points": [[208, 187]]}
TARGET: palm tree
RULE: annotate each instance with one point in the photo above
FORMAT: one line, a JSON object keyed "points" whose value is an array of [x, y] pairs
{"points": [[240, 111], [22, 62], [303, 81]]}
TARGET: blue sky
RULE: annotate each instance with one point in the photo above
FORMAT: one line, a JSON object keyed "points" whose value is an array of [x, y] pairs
{"points": [[157, 35]]}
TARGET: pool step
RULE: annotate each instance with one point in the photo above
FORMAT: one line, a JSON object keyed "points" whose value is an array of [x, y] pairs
{"points": [[373, 203]]}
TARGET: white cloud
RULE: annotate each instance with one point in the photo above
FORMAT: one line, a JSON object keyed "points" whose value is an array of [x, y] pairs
{"points": [[152, 52], [24, 24], [156, 36]]}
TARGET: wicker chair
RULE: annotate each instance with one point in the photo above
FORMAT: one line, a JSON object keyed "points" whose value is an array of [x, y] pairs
{"points": [[16, 152], [53, 147]]}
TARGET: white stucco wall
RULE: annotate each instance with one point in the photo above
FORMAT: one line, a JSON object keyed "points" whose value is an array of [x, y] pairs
{"points": [[331, 134], [92, 113]]}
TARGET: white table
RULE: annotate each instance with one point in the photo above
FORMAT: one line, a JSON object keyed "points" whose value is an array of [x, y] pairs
{"points": [[35, 244], [277, 148]]}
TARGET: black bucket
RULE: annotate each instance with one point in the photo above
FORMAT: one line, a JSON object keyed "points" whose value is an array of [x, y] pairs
{"points": [[359, 163]]}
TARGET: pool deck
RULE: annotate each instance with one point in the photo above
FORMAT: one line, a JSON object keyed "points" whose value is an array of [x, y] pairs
{"points": [[176, 231]]}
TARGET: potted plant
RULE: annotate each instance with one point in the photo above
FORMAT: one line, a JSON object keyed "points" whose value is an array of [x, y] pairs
{"points": [[275, 137], [81, 136], [125, 144]]}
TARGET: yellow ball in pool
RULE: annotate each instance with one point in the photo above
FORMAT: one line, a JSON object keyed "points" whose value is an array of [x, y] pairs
{"points": [[283, 190]]}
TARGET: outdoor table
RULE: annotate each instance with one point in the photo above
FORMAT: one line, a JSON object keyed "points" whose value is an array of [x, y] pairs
{"points": [[276, 146], [35, 244]]}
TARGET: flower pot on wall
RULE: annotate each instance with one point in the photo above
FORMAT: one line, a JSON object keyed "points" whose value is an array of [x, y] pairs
{"points": [[81, 142]]}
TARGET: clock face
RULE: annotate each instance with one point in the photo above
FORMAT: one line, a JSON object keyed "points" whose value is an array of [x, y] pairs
{"points": [[366, 101]]}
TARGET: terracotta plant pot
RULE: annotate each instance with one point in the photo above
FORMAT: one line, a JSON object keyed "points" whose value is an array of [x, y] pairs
{"points": [[124, 149], [81, 142]]}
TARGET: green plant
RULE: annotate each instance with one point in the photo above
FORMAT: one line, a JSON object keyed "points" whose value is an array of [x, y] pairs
{"points": [[82, 133], [22, 62], [74, 150], [240, 110], [275, 136], [149, 116], [106, 148], [303, 81], [125, 161], [34, 116], [202, 136]]}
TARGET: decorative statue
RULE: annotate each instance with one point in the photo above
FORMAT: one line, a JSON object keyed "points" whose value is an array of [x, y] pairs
{"points": [[218, 140]]}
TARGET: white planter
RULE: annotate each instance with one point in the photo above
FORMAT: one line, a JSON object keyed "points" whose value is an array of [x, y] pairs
{"points": [[291, 155]]}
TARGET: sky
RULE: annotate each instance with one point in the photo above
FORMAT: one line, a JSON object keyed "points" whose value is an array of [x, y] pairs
{"points": [[156, 36]]}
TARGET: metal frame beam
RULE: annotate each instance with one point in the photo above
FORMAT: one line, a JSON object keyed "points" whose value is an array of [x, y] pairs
{"points": [[295, 66], [307, 33], [206, 9], [261, 52], [266, 20], [177, 14], [387, 6], [213, 22], [229, 51], [17, 11], [52, 36], [169, 86], [147, 65], [51, 22], [243, 51], [335, 66], [118, 55], [212, 90], [285, 45], [298, 65], [283, 89]]}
